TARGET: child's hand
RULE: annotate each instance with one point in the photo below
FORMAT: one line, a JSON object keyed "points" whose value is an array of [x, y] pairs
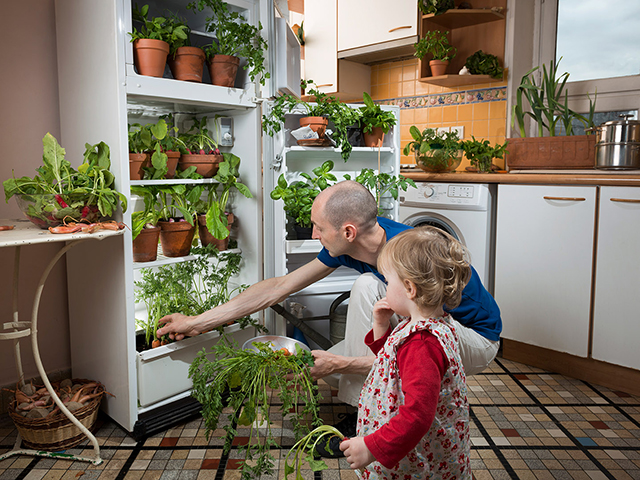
{"points": [[356, 452], [382, 313]]}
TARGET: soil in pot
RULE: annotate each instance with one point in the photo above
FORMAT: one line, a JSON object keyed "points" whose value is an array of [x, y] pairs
{"points": [[176, 238], [187, 64], [206, 165], [145, 245], [205, 236], [374, 138], [223, 70], [438, 67], [137, 161], [172, 163], [150, 56]]}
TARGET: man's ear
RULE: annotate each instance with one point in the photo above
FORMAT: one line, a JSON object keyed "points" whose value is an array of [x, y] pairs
{"points": [[411, 289], [350, 232]]}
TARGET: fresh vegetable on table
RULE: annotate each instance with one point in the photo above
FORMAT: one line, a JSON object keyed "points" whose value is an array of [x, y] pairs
{"points": [[252, 379]]}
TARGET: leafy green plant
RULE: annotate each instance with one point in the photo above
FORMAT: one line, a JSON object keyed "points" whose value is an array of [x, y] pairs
{"points": [[150, 138], [437, 44], [545, 102], [373, 116], [180, 200], [304, 450], [325, 105], [436, 7], [77, 194], [198, 139], [480, 154], [234, 37], [215, 206], [151, 214], [298, 196], [433, 148], [481, 63], [191, 288], [168, 29], [382, 184]]}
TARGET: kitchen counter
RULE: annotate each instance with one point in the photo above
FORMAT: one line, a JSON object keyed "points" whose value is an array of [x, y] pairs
{"points": [[537, 177]]}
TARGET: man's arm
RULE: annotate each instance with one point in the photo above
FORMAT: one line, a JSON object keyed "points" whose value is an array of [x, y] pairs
{"points": [[327, 363], [257, 297]]}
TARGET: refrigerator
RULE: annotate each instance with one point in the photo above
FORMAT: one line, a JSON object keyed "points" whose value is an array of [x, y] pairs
{"points": [[100, 94]]}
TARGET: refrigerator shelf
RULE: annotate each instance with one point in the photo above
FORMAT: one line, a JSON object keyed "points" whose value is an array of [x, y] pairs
{"points": [[162, 260]]}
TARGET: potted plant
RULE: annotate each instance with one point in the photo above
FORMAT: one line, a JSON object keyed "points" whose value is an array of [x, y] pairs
{"points": [[151, 42], [202, 149], [144, 225], [548, 107], [172, 146], [434, 151], [298, 196], [59, 192], [437, 44], [235, 38], [382, 185], [375, 122], [214, 220], [436, 7], [139, 144], [481, 63], [481, 154], [185, 61]]}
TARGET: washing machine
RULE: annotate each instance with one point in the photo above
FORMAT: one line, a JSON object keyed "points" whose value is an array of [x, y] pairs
{"points": [[465, 210]]}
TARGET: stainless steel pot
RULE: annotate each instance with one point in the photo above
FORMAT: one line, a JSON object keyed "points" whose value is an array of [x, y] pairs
{"points": [[618, 144]]}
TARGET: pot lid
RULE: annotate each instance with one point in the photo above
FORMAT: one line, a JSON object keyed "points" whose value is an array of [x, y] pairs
{"points": [[624, 120]]}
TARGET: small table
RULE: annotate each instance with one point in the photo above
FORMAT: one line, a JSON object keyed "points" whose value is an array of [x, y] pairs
{"points": [[26, 233]]}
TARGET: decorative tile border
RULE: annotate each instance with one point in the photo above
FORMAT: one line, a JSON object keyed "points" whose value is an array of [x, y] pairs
{"points": [[444, 99]]}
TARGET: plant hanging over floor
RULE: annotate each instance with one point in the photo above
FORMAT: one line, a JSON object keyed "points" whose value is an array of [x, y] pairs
{"points": [[252, 379]]}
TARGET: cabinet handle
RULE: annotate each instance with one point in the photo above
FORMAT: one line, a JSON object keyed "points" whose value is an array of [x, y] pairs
{"points": [[626, 200], [325, 85], [399, 28], [566, 199]]}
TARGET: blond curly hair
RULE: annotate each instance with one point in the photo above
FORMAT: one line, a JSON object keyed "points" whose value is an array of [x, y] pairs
{"points": [[433, 260]]}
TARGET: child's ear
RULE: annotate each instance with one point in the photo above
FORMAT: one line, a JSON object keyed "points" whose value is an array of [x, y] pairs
{"points": [[411, 289]]}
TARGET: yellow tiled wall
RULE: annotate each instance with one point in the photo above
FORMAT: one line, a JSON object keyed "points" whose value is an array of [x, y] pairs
{"points": [[425, 105]]}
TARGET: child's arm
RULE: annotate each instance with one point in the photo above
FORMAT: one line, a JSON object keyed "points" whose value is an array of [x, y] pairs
{"points": [[382, 314], [356, 452]]}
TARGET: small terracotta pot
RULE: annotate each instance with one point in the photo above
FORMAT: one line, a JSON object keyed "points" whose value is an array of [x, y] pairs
{"points": [[206, 165], [176, 238], [317, 124], [438, 67], [205, 236], [223, 70], [187, 64], [172, 163], [374, 138], [136, 163], [150, 56], [145, 245]]}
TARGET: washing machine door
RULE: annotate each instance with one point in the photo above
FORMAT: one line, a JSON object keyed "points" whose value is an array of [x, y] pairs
{"points": [[433, 219]]}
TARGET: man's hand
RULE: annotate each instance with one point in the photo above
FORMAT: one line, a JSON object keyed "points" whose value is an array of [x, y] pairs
{"points": [[324, 363], [177, 326], [356, 452]]}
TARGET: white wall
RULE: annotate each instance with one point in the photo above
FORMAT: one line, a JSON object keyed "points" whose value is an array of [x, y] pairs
{"points": [[28, 110]]}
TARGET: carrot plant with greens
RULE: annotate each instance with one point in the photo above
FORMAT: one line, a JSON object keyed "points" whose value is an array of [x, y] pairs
{"points": [[251, 379], [304, 448]]}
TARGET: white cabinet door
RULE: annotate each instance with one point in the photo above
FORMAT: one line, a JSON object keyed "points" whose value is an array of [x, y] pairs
{"points": [[320, 47], [616, 323], [544, 251], [362, 24]]}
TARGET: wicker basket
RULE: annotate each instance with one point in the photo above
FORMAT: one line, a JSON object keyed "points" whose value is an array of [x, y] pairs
{"points": [[57, 433]]}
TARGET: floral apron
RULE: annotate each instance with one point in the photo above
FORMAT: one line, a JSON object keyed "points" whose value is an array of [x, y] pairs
{"points": [[444, 450]]}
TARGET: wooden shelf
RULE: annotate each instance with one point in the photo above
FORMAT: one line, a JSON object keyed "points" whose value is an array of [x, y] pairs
{"points": [[456, 18], [458, 80]]}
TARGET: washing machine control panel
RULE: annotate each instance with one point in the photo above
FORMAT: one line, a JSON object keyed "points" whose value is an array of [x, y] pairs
{"points": [[446, 195]]}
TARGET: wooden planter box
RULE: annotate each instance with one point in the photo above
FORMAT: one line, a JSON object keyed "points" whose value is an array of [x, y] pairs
{"points": [[551, 153]]}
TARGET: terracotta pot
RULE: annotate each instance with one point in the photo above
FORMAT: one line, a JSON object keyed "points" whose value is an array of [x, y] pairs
{"points": [[145, 245], [187, 64], [551, 153], [176, 238], [374, 138], [206, 165], [205, 236], [150, 56], [223, 70], [136, 162], [438, 67], [317, 124], [172, 163]]}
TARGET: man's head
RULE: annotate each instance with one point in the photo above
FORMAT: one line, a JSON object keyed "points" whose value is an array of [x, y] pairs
{"points": [[340, 213]]}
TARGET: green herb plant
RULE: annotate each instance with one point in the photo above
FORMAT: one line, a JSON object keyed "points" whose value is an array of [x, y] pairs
{"points": [[383, 184], [150, 215], [252, 379], [481, 153], [299, 195], [234, 37], [373, 116], [199, 139], [437, 44], [434, 149], [150, 138], [436, 7], [481, 63], [168, 29], [76, 194]]}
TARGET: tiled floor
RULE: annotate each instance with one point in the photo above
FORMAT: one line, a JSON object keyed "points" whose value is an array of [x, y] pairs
{"points": [[526, 424]]}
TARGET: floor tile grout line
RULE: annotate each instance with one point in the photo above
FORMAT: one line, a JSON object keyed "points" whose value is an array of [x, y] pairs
{"points": [[615, 405], [130, 459], [562, 428], [505, 463], [28, 468]]}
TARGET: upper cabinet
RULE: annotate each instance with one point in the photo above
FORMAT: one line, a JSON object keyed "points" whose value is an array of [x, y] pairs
{"points": [[481, 28], [377, 30]]}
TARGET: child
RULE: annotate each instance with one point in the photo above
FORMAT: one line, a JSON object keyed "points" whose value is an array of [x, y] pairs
{"points": [[413, 413]]}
